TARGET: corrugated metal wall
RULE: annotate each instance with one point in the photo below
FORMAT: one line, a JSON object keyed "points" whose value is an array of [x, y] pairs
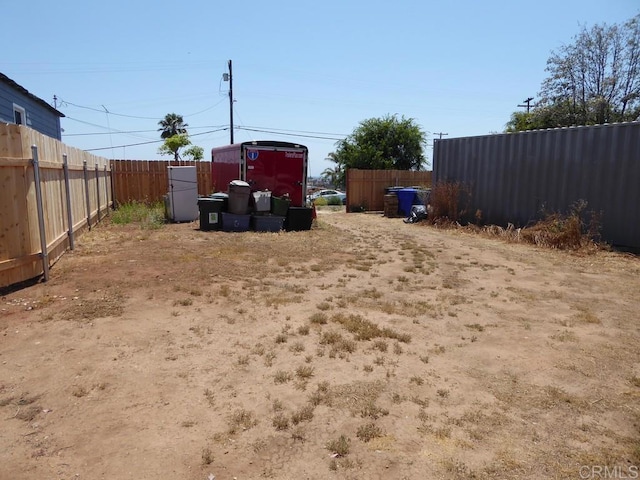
{"points": [[512, 177]]}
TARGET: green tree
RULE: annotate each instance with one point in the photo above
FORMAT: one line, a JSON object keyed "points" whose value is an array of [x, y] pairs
{"points": [[172, 124], [334, 176], [519, 121], [383, 144], [597, 76], [594, 80], [194, 153], [172, 145]]}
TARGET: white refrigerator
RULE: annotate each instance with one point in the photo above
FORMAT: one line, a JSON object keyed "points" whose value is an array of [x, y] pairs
{"points": [[182, 199]]}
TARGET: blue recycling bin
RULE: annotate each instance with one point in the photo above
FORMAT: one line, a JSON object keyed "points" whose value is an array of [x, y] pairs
{"points": [[406, 198]]}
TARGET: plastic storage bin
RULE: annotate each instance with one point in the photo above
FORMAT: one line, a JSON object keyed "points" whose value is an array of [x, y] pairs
{"points": [[280, 205], [210, 210], [239, 193], [267, 223], [262, 201], [232, 222], [299, 218]]}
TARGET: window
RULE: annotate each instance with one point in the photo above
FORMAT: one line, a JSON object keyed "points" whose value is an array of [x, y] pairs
{"points": [[19, 115]]}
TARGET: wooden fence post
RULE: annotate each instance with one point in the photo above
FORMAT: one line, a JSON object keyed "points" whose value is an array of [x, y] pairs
{"points": [[65, 168], [98, 190], [43, 234], [106, 190], [86, 192]]}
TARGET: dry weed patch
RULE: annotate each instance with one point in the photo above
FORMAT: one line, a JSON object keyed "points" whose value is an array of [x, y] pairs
{"points": [[339, 344], [585, 315], [280, 422], [368, 432], [303, 414], [241, 420], [282, 376], [91, 309], [207, 456], [28, 413], [319, 318], [340, 446], [304, 372], [364, 329]]}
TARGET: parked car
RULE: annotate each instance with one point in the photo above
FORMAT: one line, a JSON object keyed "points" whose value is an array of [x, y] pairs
{"points": [[328, 195]]}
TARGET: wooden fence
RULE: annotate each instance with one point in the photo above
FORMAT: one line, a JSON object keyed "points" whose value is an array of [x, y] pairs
{"points": [[366, 188], [148, 180], [49, 192]]}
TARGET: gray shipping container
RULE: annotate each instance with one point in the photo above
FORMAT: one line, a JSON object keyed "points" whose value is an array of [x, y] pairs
{"points": [[514, 177]]}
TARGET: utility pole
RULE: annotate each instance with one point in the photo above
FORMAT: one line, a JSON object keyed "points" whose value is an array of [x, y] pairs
{"points": [[440, 134], [528, 104], [231, 100]]}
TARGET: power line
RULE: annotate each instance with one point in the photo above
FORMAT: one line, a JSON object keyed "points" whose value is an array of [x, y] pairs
{"points": [[64, 102], [149, 142], [124, 131], [288, 134], [276, 131], [301, 131]]}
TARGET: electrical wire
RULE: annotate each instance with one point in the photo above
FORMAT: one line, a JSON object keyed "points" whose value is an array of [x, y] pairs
{"points": [[289, 134], [302, 131], [123, 131], [149, 142], [65, 102]]}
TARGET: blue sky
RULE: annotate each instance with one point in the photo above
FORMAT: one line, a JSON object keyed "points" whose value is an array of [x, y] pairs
{"points": [[304, 69]]}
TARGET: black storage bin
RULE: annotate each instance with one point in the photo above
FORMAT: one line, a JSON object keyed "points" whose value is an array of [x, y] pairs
{"points": [[210, 209], [266, 223], [224, 197], [298, 218]]}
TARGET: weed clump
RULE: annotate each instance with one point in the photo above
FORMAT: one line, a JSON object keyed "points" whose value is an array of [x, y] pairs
{"points": [[304, 414], [148, 216], [567, 232], [364, 329], [241, 420], [340, 446], [368, 432]]}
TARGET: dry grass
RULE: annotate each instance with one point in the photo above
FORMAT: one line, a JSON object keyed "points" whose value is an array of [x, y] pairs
{"points": [[364, 329], [368, 432], [340, 446], [241, 420], [544, 376], [282, 376], [111, 305], [576, 230], [303, 414]]}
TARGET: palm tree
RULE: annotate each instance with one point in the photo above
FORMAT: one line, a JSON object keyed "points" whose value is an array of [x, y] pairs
{"points": [[172, 124], [335, 175]]}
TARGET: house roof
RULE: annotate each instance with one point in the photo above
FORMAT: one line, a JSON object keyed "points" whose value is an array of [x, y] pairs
{"points": [[11, 83]]}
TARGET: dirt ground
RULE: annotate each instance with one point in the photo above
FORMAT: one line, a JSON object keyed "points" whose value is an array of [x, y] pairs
{"points": [[365, 348]]}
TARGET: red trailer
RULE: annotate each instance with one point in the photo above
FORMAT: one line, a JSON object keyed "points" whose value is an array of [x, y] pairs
{"points": [[279, 167]]}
